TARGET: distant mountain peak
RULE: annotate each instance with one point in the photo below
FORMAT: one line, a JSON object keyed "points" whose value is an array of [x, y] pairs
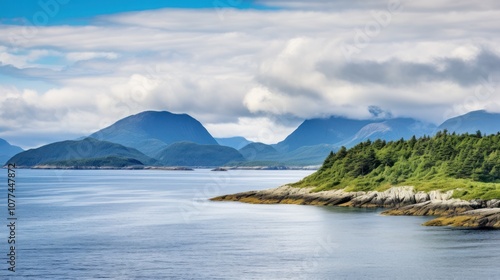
{"points": [[486, 122], [152, 131], [321, 131]]}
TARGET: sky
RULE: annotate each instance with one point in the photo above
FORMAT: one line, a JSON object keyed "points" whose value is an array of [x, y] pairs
{"points": [[243, 68]]}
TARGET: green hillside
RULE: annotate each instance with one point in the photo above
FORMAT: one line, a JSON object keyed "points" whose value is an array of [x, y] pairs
{"points": [[110, 161], [467, 163], [87, 148]]}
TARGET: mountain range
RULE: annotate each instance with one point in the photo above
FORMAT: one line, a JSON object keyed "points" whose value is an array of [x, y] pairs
{"points": [[167, 139]]}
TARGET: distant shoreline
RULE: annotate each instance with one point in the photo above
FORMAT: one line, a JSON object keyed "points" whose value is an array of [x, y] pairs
{"points": [[173, 168], [53, 167], [272, 167]]}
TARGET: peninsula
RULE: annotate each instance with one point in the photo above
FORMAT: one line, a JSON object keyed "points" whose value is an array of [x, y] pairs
{"points": [[456, 177]]}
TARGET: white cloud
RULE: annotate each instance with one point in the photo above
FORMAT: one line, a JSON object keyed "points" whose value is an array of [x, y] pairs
{"points": [[260, 129], [77, 56]]}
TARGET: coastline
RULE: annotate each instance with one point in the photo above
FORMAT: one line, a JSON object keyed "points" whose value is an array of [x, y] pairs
{"points": [[139, 167], [181, 168], [272, 167], [399, 201]]}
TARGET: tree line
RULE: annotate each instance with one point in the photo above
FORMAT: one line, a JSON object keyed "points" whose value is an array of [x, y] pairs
{"points": [[373, 163]]}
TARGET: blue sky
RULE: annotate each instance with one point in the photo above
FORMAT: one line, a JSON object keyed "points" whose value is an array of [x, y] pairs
{"points": [[243, 68], [80, 12]]}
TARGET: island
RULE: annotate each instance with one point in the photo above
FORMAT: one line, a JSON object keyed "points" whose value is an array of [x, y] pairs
{"points": [[454, 177], [219, 169]]}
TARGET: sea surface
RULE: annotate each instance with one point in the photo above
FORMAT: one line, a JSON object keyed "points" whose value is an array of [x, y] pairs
{"points": [[146, 224]]}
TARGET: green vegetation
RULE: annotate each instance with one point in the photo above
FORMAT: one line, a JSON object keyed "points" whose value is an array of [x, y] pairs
{"points": [[467, 163], [98, 162]]}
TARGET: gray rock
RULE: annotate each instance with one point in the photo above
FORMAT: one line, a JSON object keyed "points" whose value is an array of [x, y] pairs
{"points": [[404, 200], [494, 203]]}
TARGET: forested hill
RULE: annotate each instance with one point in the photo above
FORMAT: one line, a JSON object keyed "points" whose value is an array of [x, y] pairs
{"points": [[467, 162]]}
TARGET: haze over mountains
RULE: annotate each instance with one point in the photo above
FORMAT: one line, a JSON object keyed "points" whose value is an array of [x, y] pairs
{"points": [[163, 138]]}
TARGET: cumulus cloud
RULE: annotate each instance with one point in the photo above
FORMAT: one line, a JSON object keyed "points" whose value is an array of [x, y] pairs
{"points": [[252, 70]]}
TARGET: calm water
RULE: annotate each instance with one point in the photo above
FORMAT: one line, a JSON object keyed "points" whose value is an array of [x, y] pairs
{"points": [[159, 225]]}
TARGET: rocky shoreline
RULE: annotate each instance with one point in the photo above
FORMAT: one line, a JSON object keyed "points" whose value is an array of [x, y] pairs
{"points": [[400, 201]]}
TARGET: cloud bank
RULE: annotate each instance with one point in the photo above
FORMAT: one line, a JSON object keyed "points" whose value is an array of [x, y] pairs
{"points": [[254, 73]]}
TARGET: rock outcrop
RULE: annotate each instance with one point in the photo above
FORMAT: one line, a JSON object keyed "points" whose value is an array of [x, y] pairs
{"points": [[402, 201], [432, 208], [290, 195], [393, 197], [479, 218]]}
